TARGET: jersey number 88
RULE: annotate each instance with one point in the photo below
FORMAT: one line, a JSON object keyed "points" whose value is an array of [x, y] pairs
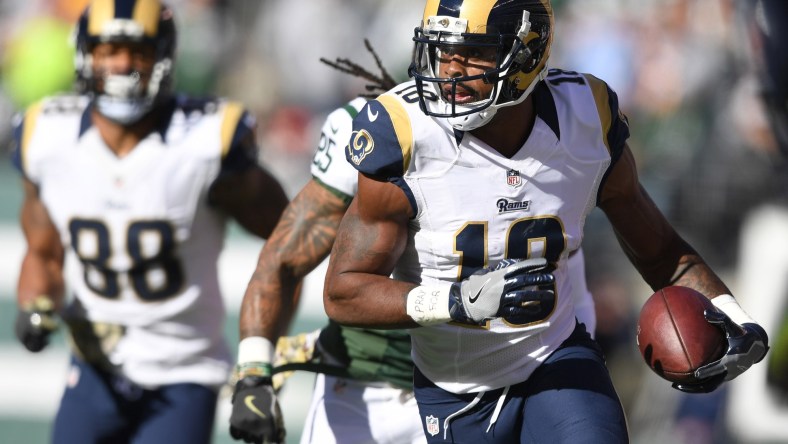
{"points": [[155, 274]]}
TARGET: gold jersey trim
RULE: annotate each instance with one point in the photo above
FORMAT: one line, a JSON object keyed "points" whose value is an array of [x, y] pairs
{"points": [[31, 118], [232, 115], [402, 128], [602, 100]]}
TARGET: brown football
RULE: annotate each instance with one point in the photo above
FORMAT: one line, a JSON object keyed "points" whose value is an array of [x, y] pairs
{"points": [[673, 336]]}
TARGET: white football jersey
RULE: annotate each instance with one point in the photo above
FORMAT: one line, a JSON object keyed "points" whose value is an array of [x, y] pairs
{"points": [[474, 207], [143, 237], [329, 165]]}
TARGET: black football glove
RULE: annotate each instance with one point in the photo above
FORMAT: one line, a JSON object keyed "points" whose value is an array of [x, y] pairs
{"points": [[35, 323], [707, 385], [256, 417], [513, 289], [747, 345]]}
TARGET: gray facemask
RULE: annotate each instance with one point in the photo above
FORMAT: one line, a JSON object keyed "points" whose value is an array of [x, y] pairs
{"points": [[123, 100]]}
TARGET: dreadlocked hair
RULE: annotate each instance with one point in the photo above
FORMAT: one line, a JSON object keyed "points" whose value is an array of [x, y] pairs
{"points": [[379, 83]]}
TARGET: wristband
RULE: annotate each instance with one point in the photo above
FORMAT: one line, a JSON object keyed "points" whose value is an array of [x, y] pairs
{"points": [[728, 305], [255, 354], [429, 304], [255, 349], [261, 369], [41, 303]]}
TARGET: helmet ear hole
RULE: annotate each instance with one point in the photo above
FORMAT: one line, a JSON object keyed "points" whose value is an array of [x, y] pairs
{"points": [[531, 57]]}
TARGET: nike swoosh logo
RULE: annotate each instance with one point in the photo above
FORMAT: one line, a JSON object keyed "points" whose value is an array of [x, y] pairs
{"points": [[473, 299], [249, 402], [333, 130], [372, 117]]}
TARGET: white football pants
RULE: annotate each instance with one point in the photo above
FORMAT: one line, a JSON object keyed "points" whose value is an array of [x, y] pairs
{"points": [[345, 411]]}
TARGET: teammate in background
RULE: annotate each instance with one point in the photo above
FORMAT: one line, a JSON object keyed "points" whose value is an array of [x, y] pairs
{"points": [[763, 255], [475, 181], [368, 369], [135, 185], [365, 376]]}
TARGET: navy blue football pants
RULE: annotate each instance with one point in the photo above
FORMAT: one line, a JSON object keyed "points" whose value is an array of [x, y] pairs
{"points": [[99, 408], [570, 398]]}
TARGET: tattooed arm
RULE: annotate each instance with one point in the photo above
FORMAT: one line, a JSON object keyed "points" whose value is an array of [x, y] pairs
{"points": [[371, 238], [299, 243], [660, 255]]}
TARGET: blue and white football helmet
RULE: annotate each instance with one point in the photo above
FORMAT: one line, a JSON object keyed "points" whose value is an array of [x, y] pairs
{"points": [[522, 32], [122, 97]]}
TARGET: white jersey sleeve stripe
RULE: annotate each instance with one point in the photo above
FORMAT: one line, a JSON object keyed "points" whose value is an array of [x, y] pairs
{"points": [[338, 193]]}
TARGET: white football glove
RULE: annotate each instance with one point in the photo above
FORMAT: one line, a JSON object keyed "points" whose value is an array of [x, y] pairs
{"points": [[513, 289]]}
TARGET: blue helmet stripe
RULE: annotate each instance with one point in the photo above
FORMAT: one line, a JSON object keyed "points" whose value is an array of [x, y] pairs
{"points": [[450, 8], [124, 9], [507, 15]]}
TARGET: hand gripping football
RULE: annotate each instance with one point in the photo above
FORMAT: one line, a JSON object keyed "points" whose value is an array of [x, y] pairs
{"points": [[673, 335]]}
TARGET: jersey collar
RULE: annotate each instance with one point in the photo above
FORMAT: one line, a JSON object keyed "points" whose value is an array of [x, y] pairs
{"points": [[544, 104], [166, 110]]}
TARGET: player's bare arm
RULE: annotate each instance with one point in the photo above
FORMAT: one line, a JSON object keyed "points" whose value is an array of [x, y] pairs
{"points": [[40, 288], [300, 242], [664, 259], [657, 251], [253, 197], [371, 238], [42, 266]]}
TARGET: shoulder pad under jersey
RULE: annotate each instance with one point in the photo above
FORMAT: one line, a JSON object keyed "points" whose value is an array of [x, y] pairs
{"points": [[51, 117], [382, 140], [235, 121], [329, 166], [239, 147], [615, 126]]}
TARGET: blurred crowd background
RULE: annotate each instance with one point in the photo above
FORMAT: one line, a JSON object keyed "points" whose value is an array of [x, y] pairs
{"points": [[681, 69]]}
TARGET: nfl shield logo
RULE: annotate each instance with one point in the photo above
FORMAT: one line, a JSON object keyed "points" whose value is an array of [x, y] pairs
{"points": [[513, 178], [432, 425]]}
